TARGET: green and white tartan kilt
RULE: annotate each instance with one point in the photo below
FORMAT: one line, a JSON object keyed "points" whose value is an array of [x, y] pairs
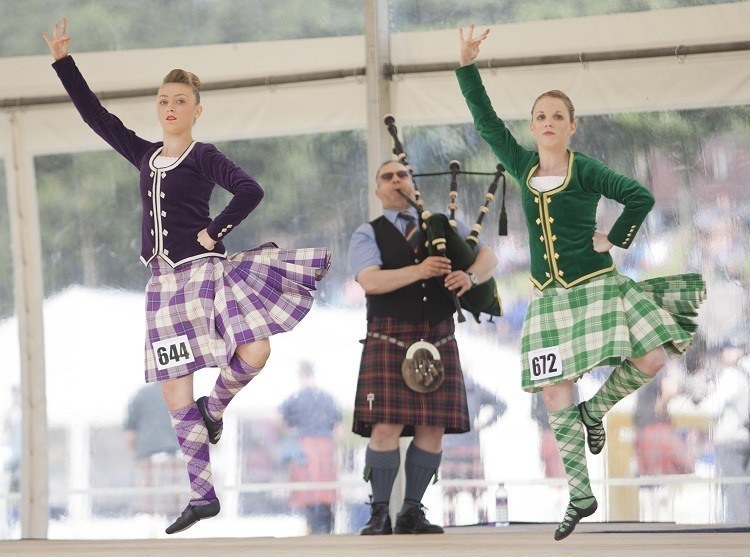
{"points": [[568, 332]]}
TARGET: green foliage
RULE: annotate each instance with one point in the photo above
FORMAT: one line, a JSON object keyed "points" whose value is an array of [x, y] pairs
{"points": [[411, 15], [101, 25]]}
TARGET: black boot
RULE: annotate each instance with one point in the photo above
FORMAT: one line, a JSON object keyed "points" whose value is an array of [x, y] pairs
{"points": [[214, 427], [413, 521], [380, 521], [192, 514], [572, 515], [595, 436]]}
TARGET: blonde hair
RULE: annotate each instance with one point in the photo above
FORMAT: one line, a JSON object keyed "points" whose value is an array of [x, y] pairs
{"points": [[186, 78], [557, 94]]}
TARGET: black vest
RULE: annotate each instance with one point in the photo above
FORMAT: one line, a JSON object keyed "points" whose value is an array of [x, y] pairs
{"points": [[414, 302]]}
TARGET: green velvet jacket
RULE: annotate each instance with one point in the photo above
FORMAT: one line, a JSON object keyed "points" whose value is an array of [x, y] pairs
{"points": [[562, 221]]}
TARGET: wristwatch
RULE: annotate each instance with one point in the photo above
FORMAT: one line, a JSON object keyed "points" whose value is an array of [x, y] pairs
{"points": [[473, 278]]}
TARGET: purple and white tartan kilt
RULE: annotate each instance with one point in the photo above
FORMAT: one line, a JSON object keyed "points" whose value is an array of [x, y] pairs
{"points": [[198, 313], [390, 400]]}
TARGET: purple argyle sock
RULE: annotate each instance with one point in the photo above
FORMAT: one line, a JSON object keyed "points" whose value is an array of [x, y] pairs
{"points": [[193, 438], [230, 382]]}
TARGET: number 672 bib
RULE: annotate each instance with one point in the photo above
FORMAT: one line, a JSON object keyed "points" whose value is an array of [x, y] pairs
{"points": [[545, 363], [172, 352]]}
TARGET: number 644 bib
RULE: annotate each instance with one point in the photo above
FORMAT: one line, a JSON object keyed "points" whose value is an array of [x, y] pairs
{"points": [[172, 352], [545, 363]]}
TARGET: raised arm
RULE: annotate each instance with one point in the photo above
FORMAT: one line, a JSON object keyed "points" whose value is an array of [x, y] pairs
{"points": [[246, 192], [106, 125], [488, 124]]}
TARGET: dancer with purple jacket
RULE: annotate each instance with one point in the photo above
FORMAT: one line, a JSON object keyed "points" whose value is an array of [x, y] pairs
{"points": [[204, 308]]}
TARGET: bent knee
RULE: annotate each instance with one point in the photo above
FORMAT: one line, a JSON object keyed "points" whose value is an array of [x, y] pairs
{"points": [[651, 363], [255, 353]]}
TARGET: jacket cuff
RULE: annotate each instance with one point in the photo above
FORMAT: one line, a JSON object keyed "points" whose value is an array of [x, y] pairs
{"points": [[216, 233], [468, 78], [63, 64], [623, 233]]}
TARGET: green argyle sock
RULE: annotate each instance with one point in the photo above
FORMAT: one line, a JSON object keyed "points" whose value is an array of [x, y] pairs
{"points": [[568, 429], [623, 380]]}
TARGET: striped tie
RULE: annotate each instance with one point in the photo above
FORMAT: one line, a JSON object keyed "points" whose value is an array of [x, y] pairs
{"points": [[412, 233]]}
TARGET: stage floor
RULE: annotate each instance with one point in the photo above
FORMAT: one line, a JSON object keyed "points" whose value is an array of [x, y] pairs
{"points": [[527, 540]]}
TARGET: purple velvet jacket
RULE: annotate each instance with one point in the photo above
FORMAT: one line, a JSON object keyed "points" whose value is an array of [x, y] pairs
{"points": [[175, 198]]}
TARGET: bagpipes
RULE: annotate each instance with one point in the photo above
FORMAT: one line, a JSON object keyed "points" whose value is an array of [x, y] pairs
{"points": [[444, 240]]}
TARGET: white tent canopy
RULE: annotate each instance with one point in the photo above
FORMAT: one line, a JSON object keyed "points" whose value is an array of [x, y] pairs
{"points": [[311, 107]]}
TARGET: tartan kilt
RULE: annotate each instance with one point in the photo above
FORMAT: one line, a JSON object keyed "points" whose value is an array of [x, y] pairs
{"points": [[462, 462], [200, 311], [606, 319], [660, 450], [319, 466], [394, 402], [160, 470]]}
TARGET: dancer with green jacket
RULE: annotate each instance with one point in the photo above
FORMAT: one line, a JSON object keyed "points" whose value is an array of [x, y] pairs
{"points": [[583, 313]]}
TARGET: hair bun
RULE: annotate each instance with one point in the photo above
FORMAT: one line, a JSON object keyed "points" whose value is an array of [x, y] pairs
{"points": [[186, 78]]}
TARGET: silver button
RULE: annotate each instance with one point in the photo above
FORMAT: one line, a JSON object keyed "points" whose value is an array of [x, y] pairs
{"points": [[149, 193], [424, 285], [164, 232], [150, 213], [152, 231], [416, 261], [166, 252], [424, 299], [162, 195], [163, 174], [220, 234], [152, 174], [229, 226], [163, 213]]}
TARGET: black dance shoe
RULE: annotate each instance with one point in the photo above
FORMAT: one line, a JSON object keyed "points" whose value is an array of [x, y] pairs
{"points": [[413, 521], [380, 521], [215, 427], [595, 436], [572, 515], [192, 514]]}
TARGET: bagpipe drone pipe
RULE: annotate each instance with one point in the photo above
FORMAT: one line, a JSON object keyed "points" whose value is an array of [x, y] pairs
{"points": [[442, 238]]}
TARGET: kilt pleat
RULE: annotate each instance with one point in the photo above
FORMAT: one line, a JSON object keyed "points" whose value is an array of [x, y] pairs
{"points": [[220, 303], [390, 400], [609, 318]]}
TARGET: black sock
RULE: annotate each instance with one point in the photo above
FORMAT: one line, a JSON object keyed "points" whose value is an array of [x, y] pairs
{"points": [[420, 468], [383, 468]]}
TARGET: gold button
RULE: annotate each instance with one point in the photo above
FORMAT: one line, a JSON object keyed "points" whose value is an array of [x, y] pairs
{"points": [[545, 256], [557, 256], [559, 272], [551, 220], [549, 200], [541, 238], [547, 274], [539, 221], [554, 237], [536, 200]]}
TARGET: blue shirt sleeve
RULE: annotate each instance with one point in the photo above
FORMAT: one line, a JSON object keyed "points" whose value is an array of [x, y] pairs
{"points": [[363, 249]]}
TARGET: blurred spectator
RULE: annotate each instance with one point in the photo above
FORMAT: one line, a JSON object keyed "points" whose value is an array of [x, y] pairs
{"points": [[314, 414], [148, 429], [729, 405], [462, 455], [659, 447], [12, 457]]}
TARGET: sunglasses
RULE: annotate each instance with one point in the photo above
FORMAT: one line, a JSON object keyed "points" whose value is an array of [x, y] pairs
{"points": [[386, 176]]}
